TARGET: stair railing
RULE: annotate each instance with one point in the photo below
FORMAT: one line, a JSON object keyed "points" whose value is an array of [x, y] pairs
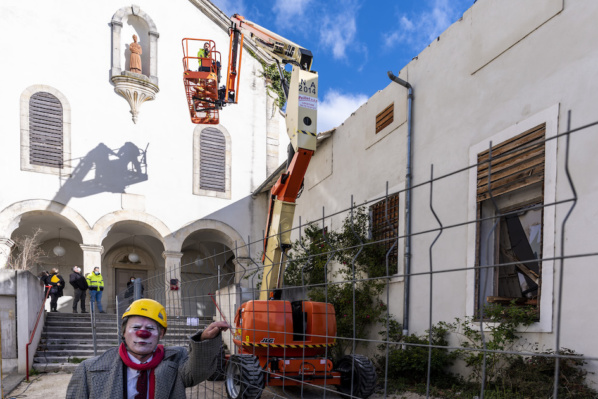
{"points": [[92, 314], [39, 314]]}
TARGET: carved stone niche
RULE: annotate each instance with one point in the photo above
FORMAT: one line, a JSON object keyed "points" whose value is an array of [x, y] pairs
{"points": [[136, 89]]}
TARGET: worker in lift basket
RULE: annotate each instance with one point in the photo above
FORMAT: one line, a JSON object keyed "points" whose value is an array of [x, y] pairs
{"points": [[140, 367]]}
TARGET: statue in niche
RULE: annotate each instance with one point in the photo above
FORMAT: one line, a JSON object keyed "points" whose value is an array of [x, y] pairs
{"points": [[135, 61]]}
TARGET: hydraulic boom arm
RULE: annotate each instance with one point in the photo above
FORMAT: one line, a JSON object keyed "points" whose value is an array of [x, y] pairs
{"points": [[301, 124]]}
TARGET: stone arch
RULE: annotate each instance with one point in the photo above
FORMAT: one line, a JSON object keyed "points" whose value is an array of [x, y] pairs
{"points": [[210, 250], [11, 216], [197, 162], [225, 234], [25, 130], [118, 47], [102, 227]]}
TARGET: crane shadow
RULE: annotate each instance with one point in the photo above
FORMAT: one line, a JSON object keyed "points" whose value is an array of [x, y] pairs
{"points": [[105, 170]]}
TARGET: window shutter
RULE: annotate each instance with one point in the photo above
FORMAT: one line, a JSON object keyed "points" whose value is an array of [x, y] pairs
{"points": [[385, 223], [45, 130], [212, 156], [385, 117], [516, 163]]}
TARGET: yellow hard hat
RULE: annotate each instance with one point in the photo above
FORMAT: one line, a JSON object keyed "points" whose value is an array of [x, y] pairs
{"points": [[148, 308]]}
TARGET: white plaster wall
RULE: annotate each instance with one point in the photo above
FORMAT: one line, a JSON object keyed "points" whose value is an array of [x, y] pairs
{"points": [[67, 45], [464, 96]]}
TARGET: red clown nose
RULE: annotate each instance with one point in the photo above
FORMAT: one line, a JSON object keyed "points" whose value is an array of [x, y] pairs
{"points": [[143, 334]]}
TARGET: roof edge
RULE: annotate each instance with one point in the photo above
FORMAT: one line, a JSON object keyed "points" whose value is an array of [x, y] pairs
{"points": [[223, 21], [282, 168]]}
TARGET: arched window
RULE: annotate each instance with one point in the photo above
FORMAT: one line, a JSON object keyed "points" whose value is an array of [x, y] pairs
{"points": [[212, 162], [45, 131]]}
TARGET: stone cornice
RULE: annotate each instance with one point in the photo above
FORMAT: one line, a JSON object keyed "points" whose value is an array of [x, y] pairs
{"points": [[92, 248], [172, 254]]}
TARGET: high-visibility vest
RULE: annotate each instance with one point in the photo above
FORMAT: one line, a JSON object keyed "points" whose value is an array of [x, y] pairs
{"points": [[94, 281], [202, 54]]}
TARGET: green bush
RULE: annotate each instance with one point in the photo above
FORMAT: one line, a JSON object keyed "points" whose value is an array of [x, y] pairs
{"points": [[502, 323], [533, 376], [514, 376], [408, 355]]}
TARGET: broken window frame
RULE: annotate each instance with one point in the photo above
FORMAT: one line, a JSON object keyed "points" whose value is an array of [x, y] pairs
{"points": [[517, 179], [494, 261]]}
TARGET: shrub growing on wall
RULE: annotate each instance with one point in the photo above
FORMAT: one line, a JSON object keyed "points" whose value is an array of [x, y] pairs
{"points": [[344, 268]]}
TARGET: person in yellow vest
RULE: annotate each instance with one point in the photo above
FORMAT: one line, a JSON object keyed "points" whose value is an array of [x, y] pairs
{"points": [[204, 53], [56, 286], [95, 281]]}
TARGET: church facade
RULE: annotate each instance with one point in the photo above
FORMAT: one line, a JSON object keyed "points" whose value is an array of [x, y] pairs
{"points": [[100, 160]]}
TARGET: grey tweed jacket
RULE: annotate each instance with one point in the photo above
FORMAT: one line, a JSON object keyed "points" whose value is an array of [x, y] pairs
{"points": [[101, 377]]}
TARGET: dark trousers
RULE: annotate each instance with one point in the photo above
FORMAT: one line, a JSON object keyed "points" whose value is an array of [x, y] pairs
{"points": [[53, 301], [79, 296]]}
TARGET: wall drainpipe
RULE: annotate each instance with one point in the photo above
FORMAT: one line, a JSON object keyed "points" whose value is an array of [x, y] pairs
{"points": [[408, 176]]}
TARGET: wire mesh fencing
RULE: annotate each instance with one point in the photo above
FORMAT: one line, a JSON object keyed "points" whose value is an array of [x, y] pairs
{"points": [[367, 306]]}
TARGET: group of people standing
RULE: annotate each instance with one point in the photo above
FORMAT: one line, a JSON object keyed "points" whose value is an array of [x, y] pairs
{"points": [[94, 282]]}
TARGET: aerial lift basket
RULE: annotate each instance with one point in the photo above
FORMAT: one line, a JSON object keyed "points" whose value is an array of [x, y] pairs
{"points": [[201, 78]]}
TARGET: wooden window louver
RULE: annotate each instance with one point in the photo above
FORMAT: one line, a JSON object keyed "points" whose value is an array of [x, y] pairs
{"points": [[385, 118], [516, 163], [212, 173], [385, 223], [45, 130]]}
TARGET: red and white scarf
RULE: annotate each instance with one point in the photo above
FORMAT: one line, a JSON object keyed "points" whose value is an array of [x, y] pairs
{"points": [[157, 358]]}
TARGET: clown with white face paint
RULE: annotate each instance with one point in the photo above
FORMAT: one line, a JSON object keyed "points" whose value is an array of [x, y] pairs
{"points": [[141, 337], [142, 368]]}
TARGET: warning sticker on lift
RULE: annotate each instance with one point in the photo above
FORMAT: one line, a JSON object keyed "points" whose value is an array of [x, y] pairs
{"points": [[308, 102]]}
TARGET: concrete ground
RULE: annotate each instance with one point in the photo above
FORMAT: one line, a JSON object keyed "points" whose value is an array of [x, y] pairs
{"points": [[54, 385]]}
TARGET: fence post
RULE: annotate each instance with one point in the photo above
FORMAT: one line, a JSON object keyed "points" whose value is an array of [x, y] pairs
{"points": [[173, 271], [137, 289]]}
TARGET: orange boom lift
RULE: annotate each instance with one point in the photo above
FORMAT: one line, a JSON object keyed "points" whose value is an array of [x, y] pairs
{"points": [[202, 76], [281, 342]]}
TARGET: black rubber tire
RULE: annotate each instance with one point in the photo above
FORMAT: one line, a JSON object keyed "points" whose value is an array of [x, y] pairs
{"points": [[244, 377], [220, 373], [361, 370]]}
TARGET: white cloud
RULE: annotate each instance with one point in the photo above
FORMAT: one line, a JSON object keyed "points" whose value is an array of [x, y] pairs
{"points": [[287, 11], [419, 30], [336, 107], [338, 32]]}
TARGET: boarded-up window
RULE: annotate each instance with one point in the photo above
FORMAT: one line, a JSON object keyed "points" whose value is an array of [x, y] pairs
{"points": [[45, 130], [385, 117], [385, 225], [516, 163], [510, 227], [212, 156]]}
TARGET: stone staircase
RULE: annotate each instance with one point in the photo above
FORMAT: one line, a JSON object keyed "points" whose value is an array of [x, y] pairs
{"points": [[67, 338]]}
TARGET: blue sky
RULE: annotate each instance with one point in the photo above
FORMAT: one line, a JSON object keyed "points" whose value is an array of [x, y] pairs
{"points": [[354, 42]]}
